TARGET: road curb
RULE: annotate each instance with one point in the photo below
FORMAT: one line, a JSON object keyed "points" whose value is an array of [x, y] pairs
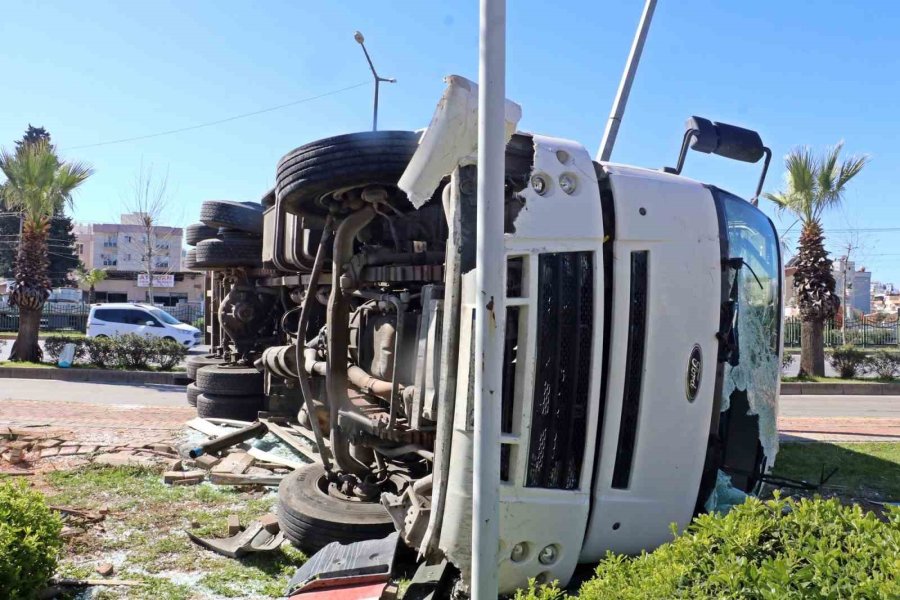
{"points": [[840, 389], [96, 376]]}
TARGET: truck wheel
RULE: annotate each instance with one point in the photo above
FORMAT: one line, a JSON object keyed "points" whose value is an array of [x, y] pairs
{"points": [[193, 363], [190, 259], [219, 254], [227, 234], [311, 518], [242, 408], [246, 216], [306, 176], [268, 200], [197, 232], [192, 393], [229, 380]]}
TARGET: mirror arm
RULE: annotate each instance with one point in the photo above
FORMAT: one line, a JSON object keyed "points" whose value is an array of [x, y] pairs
{"points": [[685, 143], [762, 178]]}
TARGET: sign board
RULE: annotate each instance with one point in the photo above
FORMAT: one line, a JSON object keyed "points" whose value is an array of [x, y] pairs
{"points": [[161, 281]]}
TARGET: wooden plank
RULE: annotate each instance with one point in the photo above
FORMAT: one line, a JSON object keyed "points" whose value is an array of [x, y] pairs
{"points": [[236, 463], [204, 426], [274, 458], [236, 423], [236, 479], [291, 440]]}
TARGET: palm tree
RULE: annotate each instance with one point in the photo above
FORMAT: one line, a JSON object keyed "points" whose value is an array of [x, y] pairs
{"points": [[89, 279], [37, 185], [813, 185]]}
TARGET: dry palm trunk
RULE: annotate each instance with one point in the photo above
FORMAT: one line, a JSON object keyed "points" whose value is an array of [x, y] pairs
{"points": [[31, 291]]}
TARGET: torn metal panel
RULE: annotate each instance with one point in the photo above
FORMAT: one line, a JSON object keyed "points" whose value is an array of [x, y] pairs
{"points": [[450, 140]]}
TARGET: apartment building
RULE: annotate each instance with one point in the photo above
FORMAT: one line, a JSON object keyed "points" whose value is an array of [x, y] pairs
{"points": [[125, 251]]}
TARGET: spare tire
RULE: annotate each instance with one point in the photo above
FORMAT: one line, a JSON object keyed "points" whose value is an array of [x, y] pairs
{"points": [[245, 216], [197, 232], [193, 363], [307, 176], [311, 518], [230, 380], [242, 408], [220, 254]]}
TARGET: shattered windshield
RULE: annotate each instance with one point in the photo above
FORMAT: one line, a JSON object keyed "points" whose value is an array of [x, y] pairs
{"points": [[753, 272]]}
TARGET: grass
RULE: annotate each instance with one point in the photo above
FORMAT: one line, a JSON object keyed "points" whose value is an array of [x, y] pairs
{"points": [[146, 531], [11, 335], [869, 470]]}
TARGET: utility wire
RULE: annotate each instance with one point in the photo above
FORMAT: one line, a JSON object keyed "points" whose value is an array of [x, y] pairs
{"points": [[219, 121]]}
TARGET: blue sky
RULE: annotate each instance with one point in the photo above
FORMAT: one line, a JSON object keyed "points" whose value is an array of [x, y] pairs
{"points": [[801, 73]]}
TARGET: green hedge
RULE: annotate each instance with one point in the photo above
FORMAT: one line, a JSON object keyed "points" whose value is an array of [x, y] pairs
{"points": [[760, 550], [130, 351], [29, 541]]}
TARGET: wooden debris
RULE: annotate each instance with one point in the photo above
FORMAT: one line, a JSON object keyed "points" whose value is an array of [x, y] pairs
{"points": [[105, 569], [17, 473], [207, 461], [234, 525], [175, 476], [290, 439], [235, 479], [236, 463], [274, 458], [270, 523], [90, 582]]}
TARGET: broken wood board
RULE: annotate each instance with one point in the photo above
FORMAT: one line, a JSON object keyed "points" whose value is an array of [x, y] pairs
{"points": [[236, 463], [236, 479], [290, 439]]}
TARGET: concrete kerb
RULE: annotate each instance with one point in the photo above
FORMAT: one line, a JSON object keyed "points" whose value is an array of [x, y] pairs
{"points": [[96, 375], [839, 389]]}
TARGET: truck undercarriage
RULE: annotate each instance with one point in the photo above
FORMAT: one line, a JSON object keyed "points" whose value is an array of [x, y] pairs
{"points": [[641, 327]]}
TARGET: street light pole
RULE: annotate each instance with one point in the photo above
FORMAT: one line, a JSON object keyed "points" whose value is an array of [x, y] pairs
{"points": [[490, 314], [378, 79], [618, 108]]}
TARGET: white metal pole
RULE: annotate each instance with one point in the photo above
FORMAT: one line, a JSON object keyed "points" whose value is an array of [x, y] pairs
{"points": [[618, 108], [489, 314]]}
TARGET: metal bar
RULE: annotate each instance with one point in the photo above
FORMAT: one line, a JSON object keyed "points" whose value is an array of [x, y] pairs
{"points": [[489, 293], [618, 108]]}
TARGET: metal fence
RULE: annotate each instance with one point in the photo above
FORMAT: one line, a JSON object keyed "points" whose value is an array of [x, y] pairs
{"points": [[862, 332], [72, 316]]}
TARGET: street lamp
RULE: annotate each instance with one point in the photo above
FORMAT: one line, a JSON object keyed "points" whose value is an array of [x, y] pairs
{"points": [[378, 79]]}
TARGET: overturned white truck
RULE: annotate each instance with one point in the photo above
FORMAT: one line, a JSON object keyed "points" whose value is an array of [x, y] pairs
{"points": [[642, 341]]}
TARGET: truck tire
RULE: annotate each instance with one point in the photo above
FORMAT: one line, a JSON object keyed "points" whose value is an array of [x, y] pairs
{"points": [[229, 380], [220, 254], [237, 215], [193, 363], [268, 200], [228, 233], [190, 259], [242, 408], [192, 393], [197, 232], [311, 518], [307, 175]]}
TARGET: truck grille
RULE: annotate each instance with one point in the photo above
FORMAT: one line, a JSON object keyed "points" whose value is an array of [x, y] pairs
{"points": [[562, 374], [634, 370]]}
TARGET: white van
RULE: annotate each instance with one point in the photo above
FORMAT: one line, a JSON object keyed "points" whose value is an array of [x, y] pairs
{"points": [[119, 318]]}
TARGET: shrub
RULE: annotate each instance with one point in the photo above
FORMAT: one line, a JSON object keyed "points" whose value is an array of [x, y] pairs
{"points": [[786, 361], [133, 351], [775, 549], [54, 344], [168, 353], [883, 364], [847, 360], [198, 323], [29, 541], [101, 352]]}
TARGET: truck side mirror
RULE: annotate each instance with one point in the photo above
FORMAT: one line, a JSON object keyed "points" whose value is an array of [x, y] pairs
{"points": [[729, 141]]}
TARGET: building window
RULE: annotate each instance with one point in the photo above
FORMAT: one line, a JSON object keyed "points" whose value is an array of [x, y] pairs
{"points": [[79, 248]]}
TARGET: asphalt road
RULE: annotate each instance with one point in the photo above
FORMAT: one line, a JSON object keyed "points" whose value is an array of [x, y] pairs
{"points": [[91, 393]]}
